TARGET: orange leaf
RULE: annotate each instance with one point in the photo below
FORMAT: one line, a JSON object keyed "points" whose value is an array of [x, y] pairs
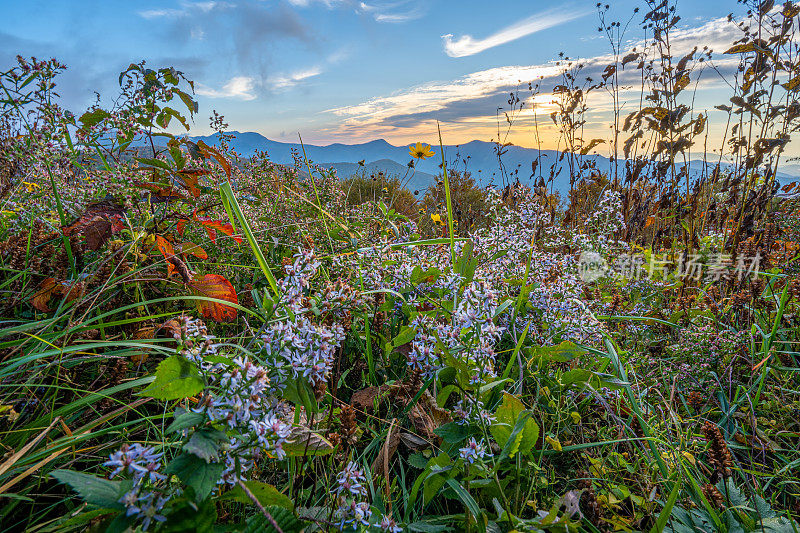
{"points": [[212, 226], [650, 221], [165, 247], [50, 287], [191, 179], [191, 248], [215, 286], [43, 295], [160, 190], [209, 151]]}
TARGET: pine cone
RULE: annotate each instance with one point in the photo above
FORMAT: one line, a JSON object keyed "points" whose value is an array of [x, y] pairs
{"points": [[714, 496], [719, 457]]}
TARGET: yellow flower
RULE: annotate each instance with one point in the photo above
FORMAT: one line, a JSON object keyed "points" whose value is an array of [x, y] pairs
{"points": [[437, 219], [420, 151]]}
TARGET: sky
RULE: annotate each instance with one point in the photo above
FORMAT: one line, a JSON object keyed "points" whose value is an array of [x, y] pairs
{"points": [[348, 71]]}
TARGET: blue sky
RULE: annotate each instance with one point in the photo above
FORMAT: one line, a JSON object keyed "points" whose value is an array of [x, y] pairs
{"points": [[336, 70]]}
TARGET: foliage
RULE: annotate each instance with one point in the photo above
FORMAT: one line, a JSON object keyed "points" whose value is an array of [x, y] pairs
{"points": [[197, 341]]}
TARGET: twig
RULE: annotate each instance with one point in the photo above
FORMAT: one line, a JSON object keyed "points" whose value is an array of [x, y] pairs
{"points": [[260, 507]]}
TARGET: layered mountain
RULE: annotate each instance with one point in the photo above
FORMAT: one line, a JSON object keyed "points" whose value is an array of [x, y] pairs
{"points": [[477, 157]]}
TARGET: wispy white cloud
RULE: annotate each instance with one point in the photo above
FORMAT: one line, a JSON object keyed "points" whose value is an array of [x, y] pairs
{"points": [[238, 87], [436, 95], [471, 99], [161, 13], [467, 45], [280, 82], [286, 81], [306, 3], [396, 12], [399, 18], [185, 9]]}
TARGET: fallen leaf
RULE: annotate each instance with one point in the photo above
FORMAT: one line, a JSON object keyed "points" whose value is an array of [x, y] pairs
{"points": [[43, 295], [215, 286]]}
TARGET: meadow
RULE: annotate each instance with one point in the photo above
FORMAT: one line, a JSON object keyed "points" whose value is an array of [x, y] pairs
{"points": [[194, 340]]}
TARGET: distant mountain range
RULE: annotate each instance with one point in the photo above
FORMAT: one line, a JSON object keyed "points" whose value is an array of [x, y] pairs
{"points": [[477, 157]]}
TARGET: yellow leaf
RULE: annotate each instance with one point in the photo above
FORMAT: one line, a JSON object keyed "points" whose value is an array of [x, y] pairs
{"points": [[553, 442], [576, 417]]}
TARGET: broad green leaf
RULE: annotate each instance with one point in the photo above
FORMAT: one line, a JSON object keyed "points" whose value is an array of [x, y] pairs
{"points": [[506, 419], [285, 519], [265, 494], [566, 351], [453, 433], [514, 441], [186, 515], [405, 336], [185, 419], [94, 490], [303, 441], [205, 444], [431, 483], [196, 473], [576, 376], [176, 378]]}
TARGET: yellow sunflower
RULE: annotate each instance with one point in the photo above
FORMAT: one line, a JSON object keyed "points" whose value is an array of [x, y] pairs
{"points": [[420, 151]]}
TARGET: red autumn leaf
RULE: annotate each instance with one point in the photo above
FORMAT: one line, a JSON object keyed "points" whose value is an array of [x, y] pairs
{"points": [[160, 190], [98, 222], [215, 286], [181, 226], [190, 179], [212, 226]]}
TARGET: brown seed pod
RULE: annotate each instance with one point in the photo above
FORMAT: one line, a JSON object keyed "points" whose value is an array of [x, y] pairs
{"points": [[719, 457]]}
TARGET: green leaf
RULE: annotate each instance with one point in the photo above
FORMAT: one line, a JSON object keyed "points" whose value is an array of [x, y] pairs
{"points": [[176, 378], [304, 442], [152, 162], [666, 512], [431, 482], [576, 376], [185, 419], [506, 418], [299, 392], [196, 473], [185, 515], [566, 351], [205, 444], [453, 433], [265, 494], [469, 502], [405, 336], [285, 519], [94, 490], [514, 441], [91, 118]]}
